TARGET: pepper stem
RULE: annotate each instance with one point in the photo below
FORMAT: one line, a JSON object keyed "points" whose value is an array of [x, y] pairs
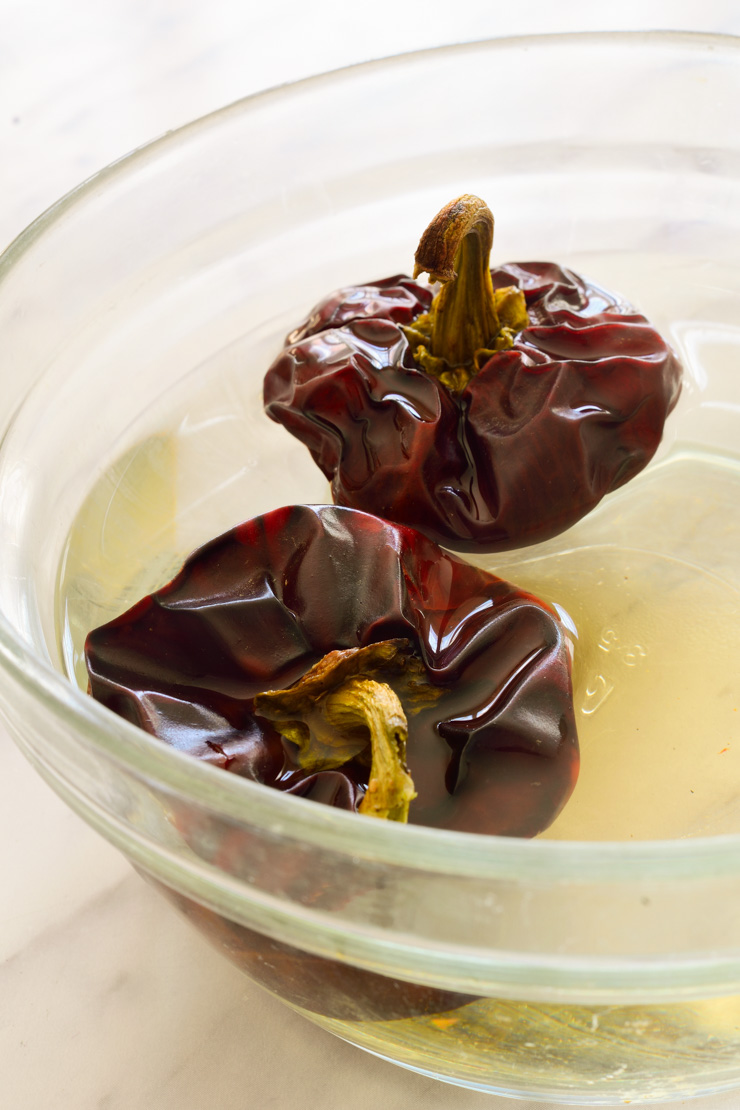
{"points": [[468, 321], [337, 712], [455, 249], [367, 705]]}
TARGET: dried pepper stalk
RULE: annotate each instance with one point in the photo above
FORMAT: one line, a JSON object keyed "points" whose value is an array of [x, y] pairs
{"points": [[491, 416], [328, 653]]}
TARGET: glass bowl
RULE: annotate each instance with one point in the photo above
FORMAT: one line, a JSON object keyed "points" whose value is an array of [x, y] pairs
{"points": [[600, 963]]}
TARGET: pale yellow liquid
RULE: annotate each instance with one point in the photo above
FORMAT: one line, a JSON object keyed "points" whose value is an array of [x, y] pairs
{"points": [[650, 583], [610, 1054]]}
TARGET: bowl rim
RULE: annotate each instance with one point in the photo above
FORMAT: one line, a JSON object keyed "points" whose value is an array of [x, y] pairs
{"points": [[122, 743], [709, 41]]}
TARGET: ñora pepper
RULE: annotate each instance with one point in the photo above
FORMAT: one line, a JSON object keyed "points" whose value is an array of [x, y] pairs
{"points": [[492, 416], [333, 655]]}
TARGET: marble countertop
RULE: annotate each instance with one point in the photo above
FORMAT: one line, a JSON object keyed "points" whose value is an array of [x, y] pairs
{"points": [[109, 999]]}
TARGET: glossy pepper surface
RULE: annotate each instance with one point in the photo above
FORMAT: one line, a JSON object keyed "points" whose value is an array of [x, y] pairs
{"points": [[492, 416], [258, 654]]}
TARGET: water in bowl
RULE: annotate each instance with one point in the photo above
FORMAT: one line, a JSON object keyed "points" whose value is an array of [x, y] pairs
{"points": [[650, 581], [649, 584]]}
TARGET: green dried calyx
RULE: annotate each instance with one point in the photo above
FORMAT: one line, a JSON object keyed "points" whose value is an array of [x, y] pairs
{"points": [[468, 320], [340, 711]]}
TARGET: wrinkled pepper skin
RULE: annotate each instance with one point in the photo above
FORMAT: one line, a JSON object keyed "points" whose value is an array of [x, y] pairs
{"points": [[254, 609], [538, 436]]}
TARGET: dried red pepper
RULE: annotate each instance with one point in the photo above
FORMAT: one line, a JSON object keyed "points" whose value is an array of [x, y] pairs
{"points": [[328, 608], [495, 415]]}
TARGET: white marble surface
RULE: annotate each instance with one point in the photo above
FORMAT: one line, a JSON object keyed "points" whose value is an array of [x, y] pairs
{"points": [[108, 1000]]}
